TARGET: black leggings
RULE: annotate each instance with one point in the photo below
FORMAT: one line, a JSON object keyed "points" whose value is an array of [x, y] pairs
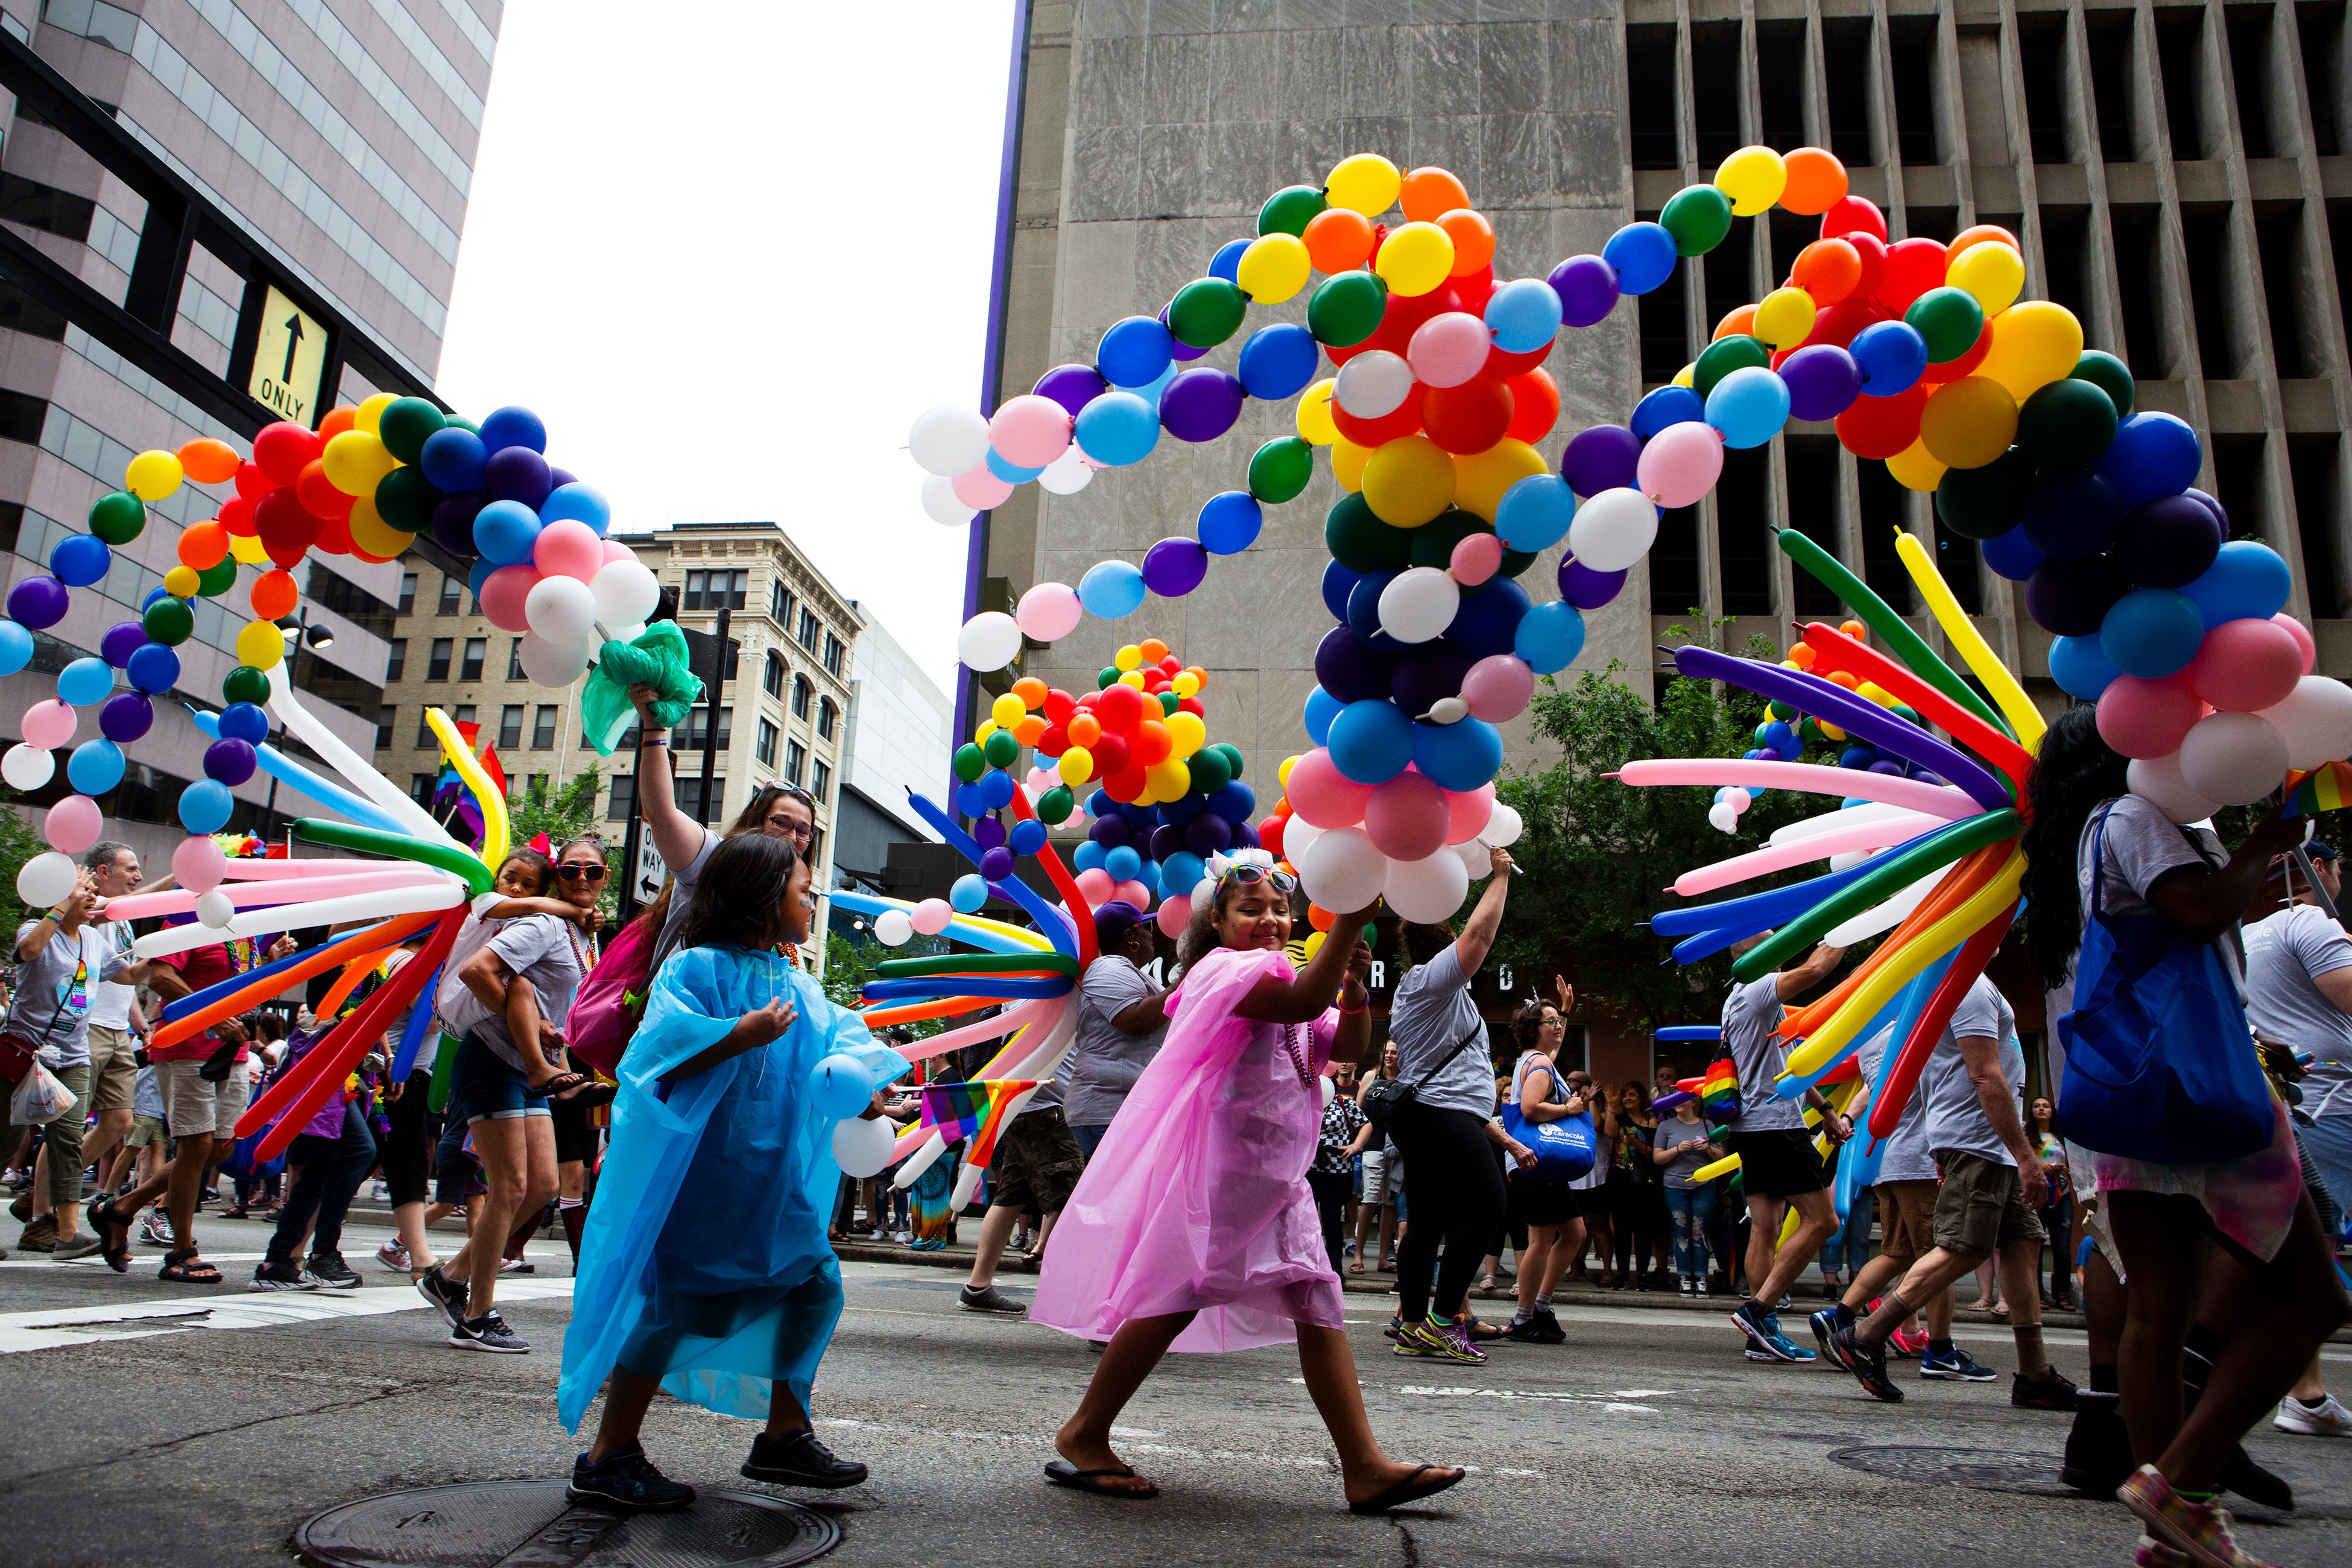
{"points": [[408, 1144], [1638, 1210], [1458, 1198], [1333, 1193]]}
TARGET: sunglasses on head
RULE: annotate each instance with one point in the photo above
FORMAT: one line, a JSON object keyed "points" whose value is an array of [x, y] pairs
{"points": [[1249, 876], [578, 869]]}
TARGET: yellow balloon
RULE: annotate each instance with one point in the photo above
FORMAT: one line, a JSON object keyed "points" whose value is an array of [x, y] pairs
{"points": [[1186, 684], [1685, 376], [1871, 692], [1753, 178], [1480, 480], [1366, 182], [354, 461], [1281, 773], [1348, 461], [1415, 258], [372, 533], [1991, 271], [1785, 319], [1132, 678], [1916, 469], [1274, 268], [1409, 481], [248, 549], [1169, 780], [1967, 423], [1830, 732], [1186, 733], [1314, 417], [1128, 657], [983, 729], [366, 414], [181, 581], [1077, 766], [260, 644], [151, 476], [1007, 711], [1314, 942], [2033, 344], [2023, 716]]}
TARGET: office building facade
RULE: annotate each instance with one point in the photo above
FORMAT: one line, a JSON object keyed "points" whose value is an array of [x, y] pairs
{"points": [[899, 740]]}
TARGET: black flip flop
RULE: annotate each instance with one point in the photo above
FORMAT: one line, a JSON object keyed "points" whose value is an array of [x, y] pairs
{"points": [[117, 1253], [1413, 1489], [1062, 1473], [561, 1084]]}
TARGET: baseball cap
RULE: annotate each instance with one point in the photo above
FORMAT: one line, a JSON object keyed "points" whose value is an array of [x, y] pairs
{"points": [[1113, 920]]}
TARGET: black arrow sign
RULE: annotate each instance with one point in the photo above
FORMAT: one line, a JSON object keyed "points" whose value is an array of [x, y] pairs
{"points": [[293, 341]]}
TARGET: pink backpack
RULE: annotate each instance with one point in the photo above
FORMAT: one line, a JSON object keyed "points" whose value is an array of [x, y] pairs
{"points": [[612, 999]]}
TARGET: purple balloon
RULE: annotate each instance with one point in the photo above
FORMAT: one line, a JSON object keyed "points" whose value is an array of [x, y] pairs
{"points": [[1174, 567], [1602, 458], [125, 716], [1892, 769], [39, 603], [1822, 380], [1201, 403], [1428, 674], [1182, 353], [517, 473], [988, 833], [559, 478], [2211, 505], [1166, 839], [997, 864], [1587, 287], [1246, 837], [2072, 597], [1585, 589], [2169, 542], [1350, 669], [1071, 385], [452, 523], [1110, 831], [1208, 833], [122, 641], [230, 761]]}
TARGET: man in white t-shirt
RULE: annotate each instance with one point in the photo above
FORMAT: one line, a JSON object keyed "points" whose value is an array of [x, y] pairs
{"points": [[117, 1025]]}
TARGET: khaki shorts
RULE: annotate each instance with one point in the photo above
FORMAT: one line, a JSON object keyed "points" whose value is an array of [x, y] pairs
{"points": [[113, 1068], [191, 1105], [144, 1129], [1906, 1217], [1982, 1207]]}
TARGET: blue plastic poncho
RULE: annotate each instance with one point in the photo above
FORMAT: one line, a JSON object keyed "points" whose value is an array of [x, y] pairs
{"points": [[705, 1262]]}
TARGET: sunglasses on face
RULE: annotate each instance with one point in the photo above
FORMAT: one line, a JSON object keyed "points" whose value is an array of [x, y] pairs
{"points": [[576, 872], [1249, 875]]}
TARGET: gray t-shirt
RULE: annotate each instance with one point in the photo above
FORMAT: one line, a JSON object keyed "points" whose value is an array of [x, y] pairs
{"points": [[147, 1095], [1905, 1156], [1428, 1016], [2142, 844], [1751, 1016], [50, 1007], [1955, 1119], [684, 876], [1674, 1129], [2285, 956], [541, 949], [1108, 1059]]}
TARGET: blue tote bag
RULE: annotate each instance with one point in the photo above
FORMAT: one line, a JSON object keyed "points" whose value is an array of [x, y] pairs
{"points": [[1565, 1148]]}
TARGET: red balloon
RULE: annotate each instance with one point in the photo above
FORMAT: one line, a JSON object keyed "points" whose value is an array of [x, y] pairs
{"points": [[1468, 418], [1882, 427], [1473, 288], [1125, 785], [1837, 324], [1059, 705], [318, 495], [1534, 405], [1404, 420], [252, 483], [334, 536], [281, 449], [1190, 705], [1953, 370], [1120, 707], [1851, 214], [286, 527], [1110, 754], [236, 515], [1912, 267], [1872, 248], [1054, 742], [1500, 366], [1404, 314], [1269, 836]]}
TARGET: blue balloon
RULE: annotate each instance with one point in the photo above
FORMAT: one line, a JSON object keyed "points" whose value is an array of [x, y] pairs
{"points": [[969, 802], [243, 721], [1523, 315], [1535, 512], [1118, 428], [1088, 854], [1230, 522], [478, 575], [1667, 405], [1111, 589], [1123, 862], [505, 532], [2012, 555], [578, 503], [1550, 636], [511, 426], [454, 459], [1337, 584], [2151, 632], [85, 681], [1235, 803], [841, 1086], [1133, 353], [1458, 756], [80, 560], [1321, 708], [1100, 804], [2080, 668], [1227, 263], [1364, 611], [1749, 405], [968, 893], [95, 767], [1371, 741], [1488, 621], [205, 807], [2152, 455], [2245, 579], [153, 594], [1892, 356], [1644, 256], [1148, 875], [1777, 735], [1011, 473], [1279, 360], [153, 669], [996, 788], [16, 646], [1180, 873], [1027, 837], [2072, 515]]}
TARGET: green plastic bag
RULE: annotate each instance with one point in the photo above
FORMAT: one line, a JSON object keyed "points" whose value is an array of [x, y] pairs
{"points": [[659, 659]]}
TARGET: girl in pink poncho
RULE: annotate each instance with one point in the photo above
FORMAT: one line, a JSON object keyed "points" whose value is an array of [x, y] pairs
{"points": [[1193, 1228]]}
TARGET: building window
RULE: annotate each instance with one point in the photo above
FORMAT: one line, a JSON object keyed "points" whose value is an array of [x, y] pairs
{"points": [[780, 604], [772, 674], [542, 727], [424, 737], [464, 713], [821, 781], [816, 846], [514, 660], [689, 736], [808, 629], [802, 691], [835, 652], [795, 760], [827, 715], [623, 798], [385, 717], [714, 590], [689, 798], [408, 593], [766, 749], [438, 667], [453, 596], [420, 789], [398, 661], [510, 726], [476, 650]]}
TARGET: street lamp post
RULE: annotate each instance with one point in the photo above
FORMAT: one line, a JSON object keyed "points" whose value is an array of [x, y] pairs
{"points": [[297, 634]]}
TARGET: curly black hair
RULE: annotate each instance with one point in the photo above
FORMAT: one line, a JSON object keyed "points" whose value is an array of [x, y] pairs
{"points": [[2074, 773]]}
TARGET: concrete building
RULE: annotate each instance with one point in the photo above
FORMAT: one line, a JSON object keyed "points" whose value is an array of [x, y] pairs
{"points": [[340, 134], [899, 739]]}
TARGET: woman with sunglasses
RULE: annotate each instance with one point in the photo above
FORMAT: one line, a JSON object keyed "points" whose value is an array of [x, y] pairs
{"points": [[1193, 1228]]}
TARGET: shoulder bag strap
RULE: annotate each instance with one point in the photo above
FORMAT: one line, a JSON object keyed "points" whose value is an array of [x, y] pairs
{"points": [[1443, 1062]]}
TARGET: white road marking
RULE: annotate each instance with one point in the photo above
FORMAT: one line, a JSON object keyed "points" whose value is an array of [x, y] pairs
{"points": [[58, 1326]]}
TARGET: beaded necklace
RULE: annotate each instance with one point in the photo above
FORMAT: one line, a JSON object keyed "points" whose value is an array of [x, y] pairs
{"points": [[1298, 1058]]}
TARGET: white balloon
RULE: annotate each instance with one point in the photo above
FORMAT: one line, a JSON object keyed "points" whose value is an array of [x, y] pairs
{"points": [[1296, 834], [1613, 530], [1067, 474], [948, 440], [1419, 603], [626, 591], [1851, 857], [215, 909], [1374, 382], [1448, 711], [861, 1145], [2234, 758], [1722, 818], [988, 641], [941, 504], [2317, 719], [2157, 780], [28, 767], [1503, 826], [47, 879], [1342, 872], [1428, 890], [553, 664], [894, 927], [561, 609], [1477, 863]]}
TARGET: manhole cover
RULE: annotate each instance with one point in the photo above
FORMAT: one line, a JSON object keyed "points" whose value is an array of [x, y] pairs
{"points": [[1984, 1469], [527, 1524]]}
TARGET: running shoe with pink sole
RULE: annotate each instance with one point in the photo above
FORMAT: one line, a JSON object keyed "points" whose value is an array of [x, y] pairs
{"points": [[2198, 1531]]}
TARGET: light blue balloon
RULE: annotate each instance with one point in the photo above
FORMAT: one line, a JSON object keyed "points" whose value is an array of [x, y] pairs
{"points": [[1523, 315], [579, 503], [85, 681], [95, 767], [840, 1086], [205, 807], [1749, 405], [1535, 512], [1011, 473], [1321, 708], [15, 647], [968, 893], [479, 575], [1111, 589], [1180, 873], [1459, 756], [1550, 636], [1148, 875], [505, 532], [1123, 862], [1370, 741], [2080, 668], [1118, 427], [2246, 581], [1087, 855], [2151, 632]]}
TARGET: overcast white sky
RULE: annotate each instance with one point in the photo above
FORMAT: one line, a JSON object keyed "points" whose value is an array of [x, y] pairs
{"points": [[728, 251]]}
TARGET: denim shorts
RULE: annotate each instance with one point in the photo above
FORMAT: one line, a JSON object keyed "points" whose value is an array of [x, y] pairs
{"points": [[483, 1087]]}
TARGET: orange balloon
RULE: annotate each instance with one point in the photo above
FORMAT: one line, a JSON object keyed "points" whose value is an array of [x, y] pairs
{"points": [[1737, 322], [1978, 236], [204, 545], [1031, 729], [1320, 918], [1828, 269], [318, 495], [1854, 629], [1473, 237], [1534, 405], [1031, 691], [337, 421], [209, 462], [1816, 182], [1152, 649], [1152, 743], [1085, 729], [1803, 655], [274, 594], [1430, 193], [1842, 678], [1199, 677], [1339, 239]]}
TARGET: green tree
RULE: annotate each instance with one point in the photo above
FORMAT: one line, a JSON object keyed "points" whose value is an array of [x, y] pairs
{"points": [[848, 965], [561, 813], [18, 844]]}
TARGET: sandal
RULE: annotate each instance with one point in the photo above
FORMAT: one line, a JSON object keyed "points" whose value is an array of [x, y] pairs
{"points": [[1062, 1473], [1413, 1489], [1357, 1267], [1478, 1328], [178, 1270], [117, 1252], [560, 1085], [1486, 1282]]}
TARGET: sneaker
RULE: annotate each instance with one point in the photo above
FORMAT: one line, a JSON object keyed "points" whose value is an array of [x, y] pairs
{"points": [[1824, 1323], [516, 1266], [2329, 1420], [2150, 1552], [155, 1230], [1868, 1364], [2198, 1530], [40, 1236], [1416, 1340], [332, 1270], [83, 1245], [2051, 1391], [284, 1275], [627, 1481], [902, 1236], [488, 1333], [1906, 1345], [800, 1460], [2098, 1449], [1690, 1287], [989, 1298], [1542, 1329], [1453, 1342], [1763, 1332], [1957, 1366], [393, 1256], [448, 1297]]}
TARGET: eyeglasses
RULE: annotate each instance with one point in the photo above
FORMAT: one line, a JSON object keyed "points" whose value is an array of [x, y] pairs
{"points": [[576, 872], [1249, 876]]}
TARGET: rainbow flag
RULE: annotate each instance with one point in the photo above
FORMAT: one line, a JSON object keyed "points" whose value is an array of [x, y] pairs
{"points": [[1718, 1092], [973, 1111], [2327, 787]]}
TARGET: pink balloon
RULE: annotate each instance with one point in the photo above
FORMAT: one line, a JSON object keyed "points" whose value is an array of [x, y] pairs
{"points": [[48, 724], [2246, 665], [1324, 796], [931, 916], [616, 550], [1095, 886], [505, 590], [1476, 557], [2147, 719], [73, 825], [1049, 611], [1406, 817], [1030, 431], [1681, 463], [568, 548], [1449, 348], [1499, 686], [199, 865], [1467, 813], [2301, 635], [1173, 917], [980, 489], [1135, 893]]}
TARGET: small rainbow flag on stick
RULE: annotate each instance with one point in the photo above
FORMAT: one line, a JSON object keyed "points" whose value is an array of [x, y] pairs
{"points": [[2327, 787], [1718, 1092], [975, 1110]]}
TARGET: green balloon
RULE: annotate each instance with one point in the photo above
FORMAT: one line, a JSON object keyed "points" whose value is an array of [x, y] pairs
{"points": [[1167, 701], [1432, 544], [118, 519], [404, 424], [1210, 772], [1901, 868], [1232, 754], [169, 621], [1908, 714], [969, 764], [1347, 308], [1950, 321], [1205, 312], [1054, 806], [217, 578], [1987, 502], [1001, 749], [1698, 216], [1290, 209], [2110, 375], [1783, 711], [2066, 425], [459, 422], [404, 498], [1809, 732], [1360, 542], [1723, 356], [1279, 469], [1106, 677], [244, 684], [1515, 561]]}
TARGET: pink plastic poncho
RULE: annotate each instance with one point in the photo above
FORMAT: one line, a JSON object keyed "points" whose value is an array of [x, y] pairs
{"points": [[1197, 1200]]}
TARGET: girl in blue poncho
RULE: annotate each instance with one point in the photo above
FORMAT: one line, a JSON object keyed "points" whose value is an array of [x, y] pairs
{"points": [[704, 1269]]}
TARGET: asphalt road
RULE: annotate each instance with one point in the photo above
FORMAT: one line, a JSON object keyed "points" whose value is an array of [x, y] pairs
{"points": [[142, 1423]]}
